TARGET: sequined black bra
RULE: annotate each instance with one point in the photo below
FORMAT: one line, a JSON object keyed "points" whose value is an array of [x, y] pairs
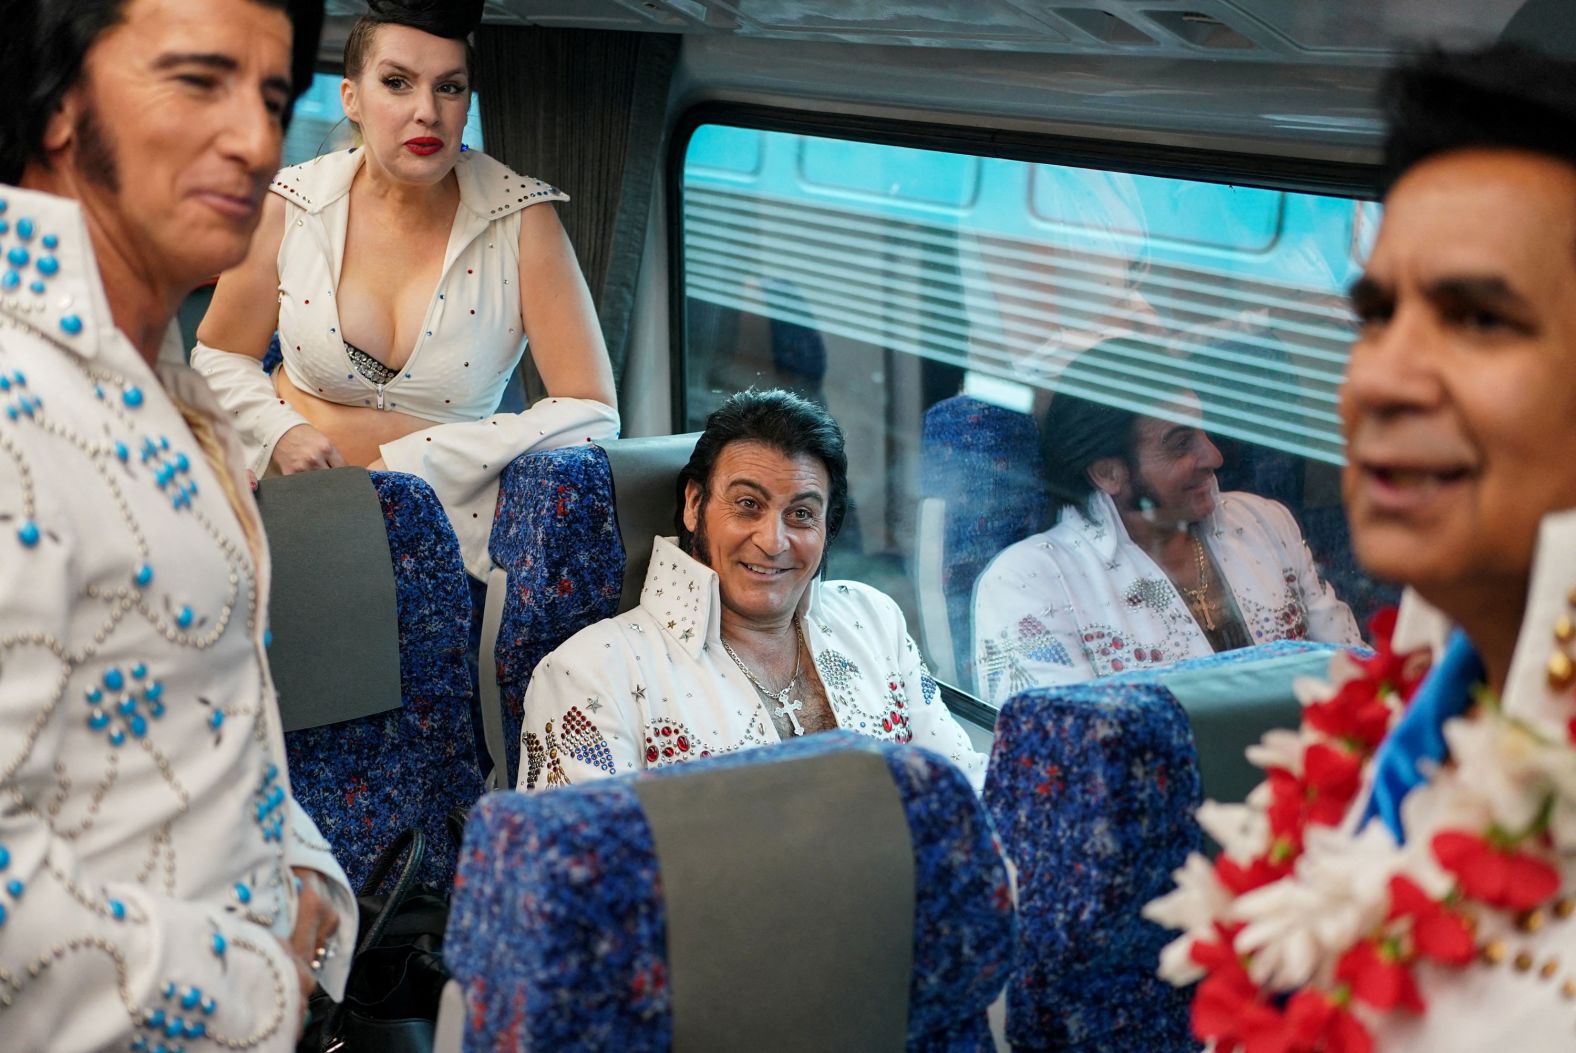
{"points": [[368, 366]]}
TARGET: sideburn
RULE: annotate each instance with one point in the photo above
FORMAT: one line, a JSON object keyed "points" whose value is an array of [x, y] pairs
{"points": [[95, 151], [699, 550]]}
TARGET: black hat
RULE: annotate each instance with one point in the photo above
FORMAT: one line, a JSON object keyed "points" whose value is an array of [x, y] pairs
{"points": [[455, 19]]}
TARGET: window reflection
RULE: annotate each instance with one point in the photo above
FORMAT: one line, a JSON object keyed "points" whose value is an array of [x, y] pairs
{"points": [[935, 303]]}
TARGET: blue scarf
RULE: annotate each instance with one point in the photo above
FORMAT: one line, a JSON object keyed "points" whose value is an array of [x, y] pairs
{"points": [[1419, 735]]}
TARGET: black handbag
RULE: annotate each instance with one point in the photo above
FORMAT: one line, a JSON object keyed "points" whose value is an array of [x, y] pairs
{"points": [[397, 975]]}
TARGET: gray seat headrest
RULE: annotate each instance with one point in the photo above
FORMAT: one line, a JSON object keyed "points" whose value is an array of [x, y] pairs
{"points": [[332, 608], [645, 474]]}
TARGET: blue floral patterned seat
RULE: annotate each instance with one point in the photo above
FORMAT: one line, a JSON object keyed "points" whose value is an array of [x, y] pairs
{"points": [[366, 780], [985, 463], [1093, 789], [556, 534], [558, 928]]}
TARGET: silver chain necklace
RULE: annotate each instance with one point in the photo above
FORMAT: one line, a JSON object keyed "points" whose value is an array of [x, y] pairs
{"points": [[785, 708]]}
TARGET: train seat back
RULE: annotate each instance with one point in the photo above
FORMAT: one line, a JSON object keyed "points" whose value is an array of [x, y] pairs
{"points": [[563, 521], [366, 779], [831, 893], [982, 488], [1093, 789], [1231, 699]]}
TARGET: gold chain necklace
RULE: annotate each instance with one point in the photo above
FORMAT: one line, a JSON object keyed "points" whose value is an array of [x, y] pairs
{"points": [[1198, 596]]}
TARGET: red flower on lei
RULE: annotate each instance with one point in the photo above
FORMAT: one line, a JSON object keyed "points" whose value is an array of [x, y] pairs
{"points": [[1231, 1009]]}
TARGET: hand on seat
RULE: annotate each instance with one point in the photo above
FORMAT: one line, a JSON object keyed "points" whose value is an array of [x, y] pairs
{"points": [[305, 449]]}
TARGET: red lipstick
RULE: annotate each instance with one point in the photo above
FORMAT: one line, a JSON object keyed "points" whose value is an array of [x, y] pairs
{"points": [[424, 147]]}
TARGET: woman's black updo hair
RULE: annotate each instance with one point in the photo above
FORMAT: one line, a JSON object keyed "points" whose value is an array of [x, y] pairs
{"points": [[46, 41], [450, 19], [785, 422]]}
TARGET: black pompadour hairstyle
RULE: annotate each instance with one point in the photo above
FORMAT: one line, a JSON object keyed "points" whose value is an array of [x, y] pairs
{"points": [[787, 423], [1505, 96], [1079, 431], [46, 42]]}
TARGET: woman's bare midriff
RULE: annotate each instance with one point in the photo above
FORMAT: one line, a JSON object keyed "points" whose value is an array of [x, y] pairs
{"points": [[357, 431]]}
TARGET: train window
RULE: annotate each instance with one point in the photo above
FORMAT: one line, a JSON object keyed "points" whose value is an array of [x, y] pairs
{"points": [[947, 308], [319, 124]]}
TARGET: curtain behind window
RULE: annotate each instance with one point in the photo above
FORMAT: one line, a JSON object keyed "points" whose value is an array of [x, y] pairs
{"points": [[584, 110]]}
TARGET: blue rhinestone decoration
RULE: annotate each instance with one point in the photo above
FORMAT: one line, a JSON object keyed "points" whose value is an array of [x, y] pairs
{"points": [[171, 469], [176, 1019], [45, 266], [13, 888], [268, 805], [128, 707], [19, 402]]}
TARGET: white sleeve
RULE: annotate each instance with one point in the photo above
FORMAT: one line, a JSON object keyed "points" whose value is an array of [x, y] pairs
{"points": [[1330, 620], [85, 963], [933, 725], [579, 722], [247, 394], [1024, 637], [307, 849], [462, 461]]}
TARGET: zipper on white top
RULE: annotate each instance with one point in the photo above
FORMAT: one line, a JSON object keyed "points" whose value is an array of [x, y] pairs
{"points": [[380, 396]]}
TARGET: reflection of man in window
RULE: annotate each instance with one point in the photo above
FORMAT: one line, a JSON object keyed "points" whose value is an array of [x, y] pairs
{"points": [[1148, 562]]}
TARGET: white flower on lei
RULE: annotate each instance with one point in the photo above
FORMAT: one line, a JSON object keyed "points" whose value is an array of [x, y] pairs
{"points": [[1297, 927], [1282, 748], [1510, 772], [1193, 907], [1241, 830]]}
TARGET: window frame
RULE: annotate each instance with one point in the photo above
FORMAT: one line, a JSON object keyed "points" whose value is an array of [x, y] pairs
{"points": [[1356, 180]]}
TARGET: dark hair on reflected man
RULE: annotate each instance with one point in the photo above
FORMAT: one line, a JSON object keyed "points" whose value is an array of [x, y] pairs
{"points": [[787, 423], [1506, 96], [450, 19], [46, 42], [1079, 431]]}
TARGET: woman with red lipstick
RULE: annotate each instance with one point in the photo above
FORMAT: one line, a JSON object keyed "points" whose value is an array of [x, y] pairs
{"points": [[404, 277]]}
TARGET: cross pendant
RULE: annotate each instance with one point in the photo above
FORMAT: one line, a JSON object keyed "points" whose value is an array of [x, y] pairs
{"points": [[790, 710]]}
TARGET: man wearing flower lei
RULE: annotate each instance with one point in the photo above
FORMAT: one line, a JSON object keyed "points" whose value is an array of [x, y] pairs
{"points": [[1405, 879]]}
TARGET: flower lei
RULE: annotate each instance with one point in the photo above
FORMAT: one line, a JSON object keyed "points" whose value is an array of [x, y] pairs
{"points": [[1302, 935]]}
